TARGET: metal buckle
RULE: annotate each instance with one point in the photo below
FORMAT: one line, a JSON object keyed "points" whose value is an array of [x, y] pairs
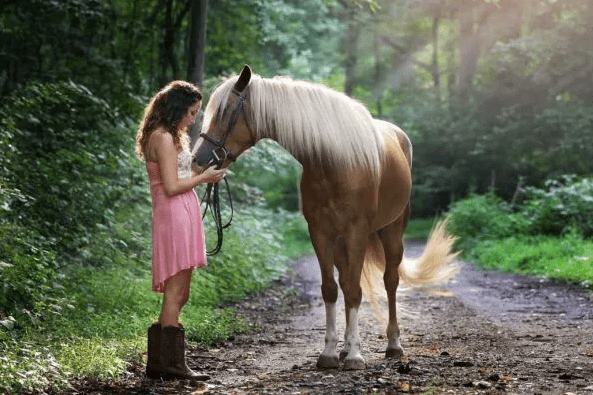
{"points": [[220, 154]]}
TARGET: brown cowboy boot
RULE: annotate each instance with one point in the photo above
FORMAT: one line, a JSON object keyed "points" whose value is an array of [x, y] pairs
{"points": [[173, 355], [153, 360]]}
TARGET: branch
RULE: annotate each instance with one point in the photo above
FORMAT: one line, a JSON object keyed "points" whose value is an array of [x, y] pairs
{"points": [[404, 51]]}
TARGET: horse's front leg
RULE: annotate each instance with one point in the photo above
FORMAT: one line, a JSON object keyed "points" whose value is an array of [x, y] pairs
{"points": [[329, 290]]}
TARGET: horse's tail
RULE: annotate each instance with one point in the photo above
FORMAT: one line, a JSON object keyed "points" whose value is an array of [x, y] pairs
{"points": [[435, 265]]}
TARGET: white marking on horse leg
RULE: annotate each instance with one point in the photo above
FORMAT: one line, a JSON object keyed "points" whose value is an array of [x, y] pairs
{"points": [[354, 359], [329, 356], [346, 348]]}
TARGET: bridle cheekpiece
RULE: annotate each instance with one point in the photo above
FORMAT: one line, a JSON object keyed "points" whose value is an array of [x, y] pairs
{"points": [[222, 152]]}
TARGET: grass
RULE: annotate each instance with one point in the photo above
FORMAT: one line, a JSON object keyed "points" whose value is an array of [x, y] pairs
{"points": [[569, 258]]}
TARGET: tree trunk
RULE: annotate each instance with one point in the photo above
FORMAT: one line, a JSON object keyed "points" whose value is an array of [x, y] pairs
{"points": [[197, 41], [351, 52], [167, 53], [469, 52], [377, 78], [436, 74]]}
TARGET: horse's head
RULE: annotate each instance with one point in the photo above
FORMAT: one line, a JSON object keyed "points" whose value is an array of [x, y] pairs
{"points": [[225, 134]]}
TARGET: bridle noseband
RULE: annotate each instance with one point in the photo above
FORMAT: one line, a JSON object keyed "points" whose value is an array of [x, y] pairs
{"points": [[222, 152]]}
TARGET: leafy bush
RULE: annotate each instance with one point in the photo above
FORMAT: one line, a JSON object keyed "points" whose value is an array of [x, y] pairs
{"points": [[65, 155], [482, 217], [564, 204], [547, 234], [28, 272]]}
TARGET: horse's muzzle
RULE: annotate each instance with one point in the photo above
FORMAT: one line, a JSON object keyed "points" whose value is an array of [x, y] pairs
{"points": [[204, 156]]}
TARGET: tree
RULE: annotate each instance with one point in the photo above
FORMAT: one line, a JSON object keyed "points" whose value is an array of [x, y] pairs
{"points": [[356, 14], [197, 41], [174, 14]]}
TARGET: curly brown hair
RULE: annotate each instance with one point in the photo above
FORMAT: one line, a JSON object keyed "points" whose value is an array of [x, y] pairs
{"points": [[166, 110]]}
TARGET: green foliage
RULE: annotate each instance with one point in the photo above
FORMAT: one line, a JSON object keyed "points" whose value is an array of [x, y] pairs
{"points": [[464, 150], [567, 258], [481, 217], [27, 367], [98, 357], [548, 233], [53, 36], [294, 37], [68, 160], [558, 141], [242, 268], [566, 204], [277, 37], [28, 271], [297, 240]]}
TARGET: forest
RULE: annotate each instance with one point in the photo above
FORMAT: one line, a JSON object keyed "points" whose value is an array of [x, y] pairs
{"points": [[495, 95]]}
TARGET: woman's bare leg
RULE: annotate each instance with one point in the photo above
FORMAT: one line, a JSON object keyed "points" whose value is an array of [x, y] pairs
{"points": [[175, 297]]}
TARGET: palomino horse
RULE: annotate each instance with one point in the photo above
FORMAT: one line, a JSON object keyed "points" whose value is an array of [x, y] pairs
{"points": [[355, 190]]}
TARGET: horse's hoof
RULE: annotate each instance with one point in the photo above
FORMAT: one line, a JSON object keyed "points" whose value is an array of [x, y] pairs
{"points": [[394, 353], [328, 362], [354, 364]]}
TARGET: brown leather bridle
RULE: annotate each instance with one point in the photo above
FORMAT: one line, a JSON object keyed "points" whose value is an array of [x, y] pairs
{"points": [[221, 153]]}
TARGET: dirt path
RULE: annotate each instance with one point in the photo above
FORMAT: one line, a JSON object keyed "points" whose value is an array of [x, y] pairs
{"points": [[485, 333]]}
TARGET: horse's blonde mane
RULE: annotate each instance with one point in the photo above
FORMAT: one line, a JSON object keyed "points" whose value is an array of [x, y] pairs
{"points": [[311, 121]]}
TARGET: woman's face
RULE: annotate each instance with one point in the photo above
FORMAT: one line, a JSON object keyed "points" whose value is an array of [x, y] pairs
{"points": [[190, 116]]}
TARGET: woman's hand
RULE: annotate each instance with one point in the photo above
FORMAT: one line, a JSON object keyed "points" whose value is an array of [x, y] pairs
{"points": [[212, 175]]}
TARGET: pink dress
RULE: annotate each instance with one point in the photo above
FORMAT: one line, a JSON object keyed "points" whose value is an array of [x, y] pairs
{"points": [[177, 232]]}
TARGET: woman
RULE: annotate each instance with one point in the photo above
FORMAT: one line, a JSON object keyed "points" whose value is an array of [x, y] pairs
{"points": [[178, 237]]}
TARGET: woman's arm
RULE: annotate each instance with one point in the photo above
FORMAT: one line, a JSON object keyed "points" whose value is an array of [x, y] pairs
{"points": [[166, 153]]}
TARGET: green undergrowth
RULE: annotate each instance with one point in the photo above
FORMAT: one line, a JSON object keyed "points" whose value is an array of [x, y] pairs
{"points": [[548, 232], [569, 258]]}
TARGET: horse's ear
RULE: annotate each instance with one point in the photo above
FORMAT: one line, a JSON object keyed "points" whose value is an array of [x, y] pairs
{"points": [[243, 79]]}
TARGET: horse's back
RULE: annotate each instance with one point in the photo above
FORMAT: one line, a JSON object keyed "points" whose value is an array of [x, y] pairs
{"points": [[396, 178], [394, 131]]}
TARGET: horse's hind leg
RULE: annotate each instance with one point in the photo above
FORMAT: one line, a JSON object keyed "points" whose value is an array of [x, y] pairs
{"points": [[329, 290], [391, 238], [349, 257]]}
